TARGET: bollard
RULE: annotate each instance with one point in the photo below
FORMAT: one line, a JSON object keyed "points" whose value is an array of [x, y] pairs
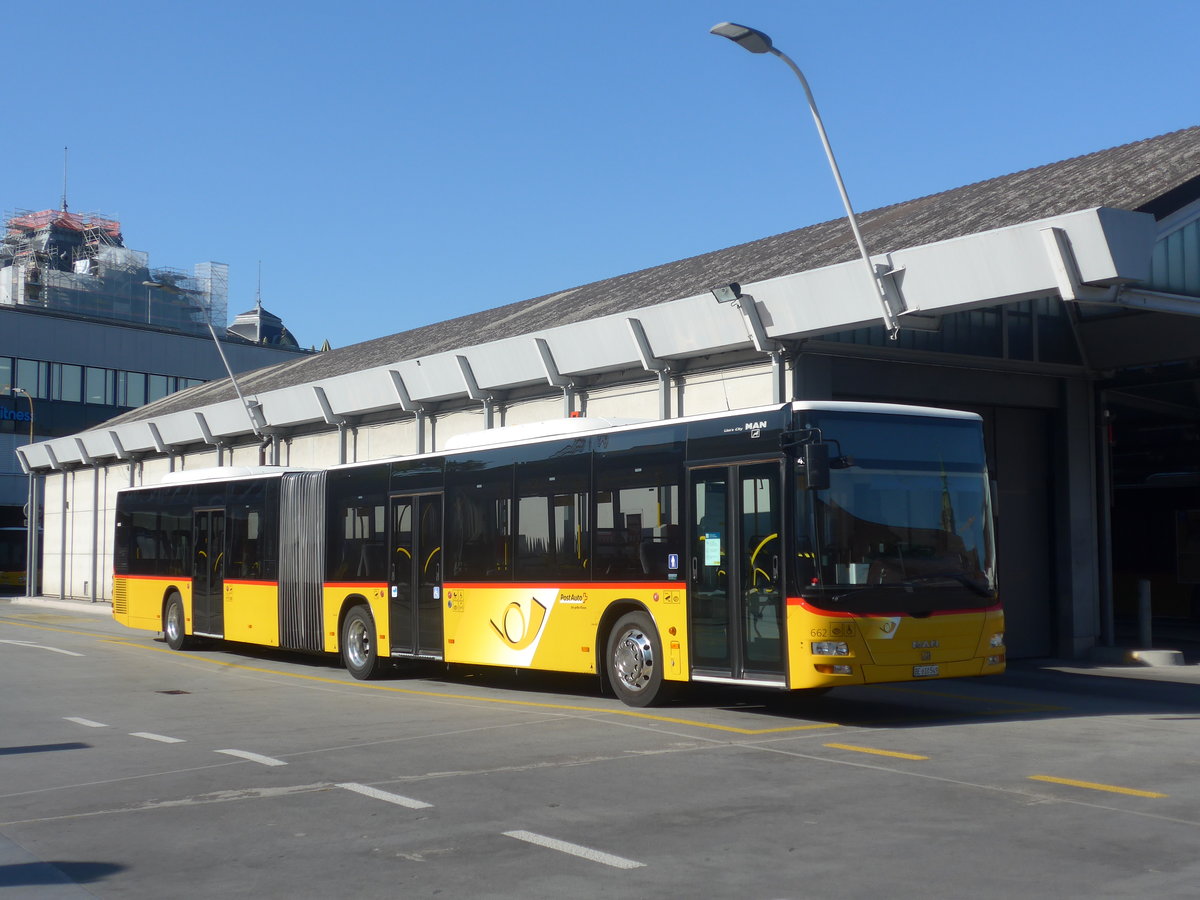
{"points": [[1143, 597]]}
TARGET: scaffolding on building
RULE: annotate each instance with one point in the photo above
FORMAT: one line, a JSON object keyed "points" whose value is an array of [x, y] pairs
{"points": [[78, 263]]}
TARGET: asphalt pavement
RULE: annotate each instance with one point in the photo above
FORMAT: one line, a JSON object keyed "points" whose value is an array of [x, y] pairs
{"points": [[1174, 658]]}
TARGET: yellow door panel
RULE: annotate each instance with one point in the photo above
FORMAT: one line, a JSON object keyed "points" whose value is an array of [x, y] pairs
{"points": [[252, 612]]}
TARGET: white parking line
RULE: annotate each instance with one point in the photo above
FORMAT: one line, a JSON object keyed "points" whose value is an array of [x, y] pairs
{"points": [[385, 796], [42, 647], [88, 722], [617, 862], [161, 738], [254, 757]]}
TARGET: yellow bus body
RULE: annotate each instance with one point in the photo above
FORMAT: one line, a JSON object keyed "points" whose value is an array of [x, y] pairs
{"points": [[883, 648], [557, 629], [138, 600], [252, 612], [562, 629], [337, 597]]}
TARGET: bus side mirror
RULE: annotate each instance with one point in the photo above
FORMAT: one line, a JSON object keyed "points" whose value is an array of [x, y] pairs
{"points": [[815, 463]]}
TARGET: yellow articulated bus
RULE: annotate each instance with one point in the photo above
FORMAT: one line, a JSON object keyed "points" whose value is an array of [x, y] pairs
{"points": [[799, 547]]}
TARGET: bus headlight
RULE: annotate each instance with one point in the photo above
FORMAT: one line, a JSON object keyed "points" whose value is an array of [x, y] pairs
{"points": [[996, 640], [830, 648]]}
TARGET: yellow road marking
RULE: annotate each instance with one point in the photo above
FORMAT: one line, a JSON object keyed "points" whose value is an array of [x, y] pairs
{"points": [[1091, 785], [51, 628], [412, 692], [875, 751]]}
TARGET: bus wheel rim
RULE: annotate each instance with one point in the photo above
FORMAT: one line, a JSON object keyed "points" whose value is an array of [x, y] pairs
{"points": [[633, 659], [174, 625], [358, 643]]}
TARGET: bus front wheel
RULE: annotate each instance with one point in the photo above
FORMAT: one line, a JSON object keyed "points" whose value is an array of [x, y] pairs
{"points": [[635, 661], [174, 627], [360, 650]]}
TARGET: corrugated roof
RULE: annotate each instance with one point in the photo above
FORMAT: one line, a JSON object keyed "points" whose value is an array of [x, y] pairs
{"points": [[1155, 175]]}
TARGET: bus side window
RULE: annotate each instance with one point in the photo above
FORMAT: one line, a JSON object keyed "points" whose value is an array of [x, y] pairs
{"points": [[553, 536], [478, 523], [637, 520]]}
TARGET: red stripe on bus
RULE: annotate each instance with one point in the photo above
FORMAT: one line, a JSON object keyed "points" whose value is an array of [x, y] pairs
{"points": [[842, 614]]}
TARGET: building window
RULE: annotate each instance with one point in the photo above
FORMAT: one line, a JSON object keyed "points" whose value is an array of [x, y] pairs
{"points": [[33, 376], [66, 382], [156, 387], [76, 384], [98, 386], [131, 389], [1018, 324], [1055, 335]]}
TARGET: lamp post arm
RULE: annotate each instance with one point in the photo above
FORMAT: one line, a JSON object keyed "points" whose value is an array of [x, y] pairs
{"points": [[889, 318]]}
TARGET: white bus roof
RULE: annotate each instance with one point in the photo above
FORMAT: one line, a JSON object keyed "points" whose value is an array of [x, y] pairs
{"points": [[224, 473]]}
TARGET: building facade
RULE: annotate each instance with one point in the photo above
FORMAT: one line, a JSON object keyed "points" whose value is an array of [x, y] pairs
{"points": [[89, 331]]}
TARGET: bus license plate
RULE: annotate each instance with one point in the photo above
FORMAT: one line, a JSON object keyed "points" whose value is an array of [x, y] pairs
{"points": [[924, 671]]}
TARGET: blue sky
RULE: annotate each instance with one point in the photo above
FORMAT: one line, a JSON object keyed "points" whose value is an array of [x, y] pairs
{"points": [[395, 164]]}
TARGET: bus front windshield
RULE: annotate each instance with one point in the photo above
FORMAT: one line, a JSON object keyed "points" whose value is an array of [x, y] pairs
{"points": [[905, 523]]}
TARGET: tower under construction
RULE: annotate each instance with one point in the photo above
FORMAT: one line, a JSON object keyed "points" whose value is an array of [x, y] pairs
{"points": [[78, 264]]}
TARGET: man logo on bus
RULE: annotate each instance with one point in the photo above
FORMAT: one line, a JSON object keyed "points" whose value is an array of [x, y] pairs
{"points": [[513, 628]]}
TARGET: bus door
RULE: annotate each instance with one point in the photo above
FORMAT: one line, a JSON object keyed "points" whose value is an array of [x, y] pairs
{"points": [[736, 571], [208, 572], [415, 575]]}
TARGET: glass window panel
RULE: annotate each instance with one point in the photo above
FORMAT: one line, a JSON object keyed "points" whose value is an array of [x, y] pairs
{"points": [[29, 377], [135, 388], [637, 516], [1055, 337], [156, 387], [70, 383], [552, 532], [357, 507], [94, 385], [478, 527], [1019, 324]]}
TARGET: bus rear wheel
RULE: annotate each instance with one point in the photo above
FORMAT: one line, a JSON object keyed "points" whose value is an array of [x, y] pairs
{"points": [[174, 626], [635, 661], [360, 650]]}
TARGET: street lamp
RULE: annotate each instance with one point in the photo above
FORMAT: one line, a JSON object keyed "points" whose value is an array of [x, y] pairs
{"points": [[757, 42], [31, 542]]}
